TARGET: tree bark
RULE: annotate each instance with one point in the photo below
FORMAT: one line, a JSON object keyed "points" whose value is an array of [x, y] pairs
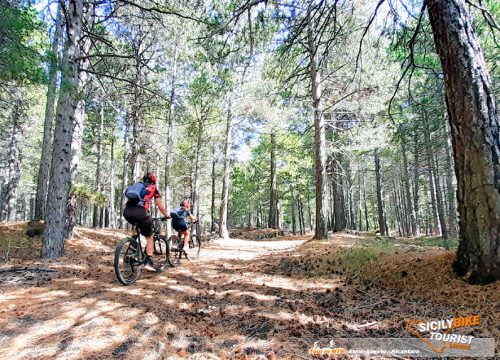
{"points": [[223, 232], [67, 122], [475, 132], [44, 167]]}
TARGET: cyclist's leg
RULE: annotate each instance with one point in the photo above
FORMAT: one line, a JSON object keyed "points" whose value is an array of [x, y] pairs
{"points": [[187, 236], [146, 227]]}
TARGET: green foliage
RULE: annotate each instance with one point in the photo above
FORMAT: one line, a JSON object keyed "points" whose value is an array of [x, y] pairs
{"points": [[356, 257], [437, 242], [21, 44]]}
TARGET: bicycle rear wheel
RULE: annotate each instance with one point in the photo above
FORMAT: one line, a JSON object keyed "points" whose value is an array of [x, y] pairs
{"points": [[175, 252], [162, 251], [127, 262]]}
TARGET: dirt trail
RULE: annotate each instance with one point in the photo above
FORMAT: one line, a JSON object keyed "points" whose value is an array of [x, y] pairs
{"points": [[241, 299], [78, 310]]}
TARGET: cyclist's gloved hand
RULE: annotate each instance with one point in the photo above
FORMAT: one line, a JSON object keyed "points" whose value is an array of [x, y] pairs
{"points": [[165, 218]]}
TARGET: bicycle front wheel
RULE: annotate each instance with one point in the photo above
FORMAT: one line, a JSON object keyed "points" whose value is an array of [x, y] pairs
{"points": [[127, 262]]}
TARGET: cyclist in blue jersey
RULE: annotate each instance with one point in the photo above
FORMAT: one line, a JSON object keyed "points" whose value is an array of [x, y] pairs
{"points": [[179, 223]]}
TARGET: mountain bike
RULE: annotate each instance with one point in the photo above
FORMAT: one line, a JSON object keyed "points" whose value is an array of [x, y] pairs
{"points": [[130, 255], [177, 245]]}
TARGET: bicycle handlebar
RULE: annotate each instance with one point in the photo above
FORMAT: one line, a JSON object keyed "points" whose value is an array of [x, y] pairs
{"points": [[163, 218]]}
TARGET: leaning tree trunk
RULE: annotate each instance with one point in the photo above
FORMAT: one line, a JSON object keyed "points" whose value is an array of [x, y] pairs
{"points": [[69, 105], [223, 232], [13, 173], [475, 132], [273, 191], [321, 231], [44, 167]]}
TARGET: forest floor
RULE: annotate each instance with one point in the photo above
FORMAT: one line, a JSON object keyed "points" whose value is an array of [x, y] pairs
{"points": [[243, 299]]}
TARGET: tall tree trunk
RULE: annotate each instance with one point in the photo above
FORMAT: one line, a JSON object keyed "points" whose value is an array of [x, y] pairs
{"points": [[367, 224], [360, 202], [294, 219], [321, 231], [430, 172], [170, 134], [273, 191], [409, 208], [112, 195], [302, 224], [195, 198], [349, 196], [67, 121], [416, 179], [136, 120], [44, 167], [338, 197], [450, 189], [98, 182], [212, 206], [435, 183], [223, 233], [475, 131], [309, 212], [13, 173], [125, 179], [439, 199], [380, 205]]}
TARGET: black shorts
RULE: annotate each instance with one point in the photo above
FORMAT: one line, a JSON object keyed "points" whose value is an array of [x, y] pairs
{"points": [[179, 226], [138, 215]]}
